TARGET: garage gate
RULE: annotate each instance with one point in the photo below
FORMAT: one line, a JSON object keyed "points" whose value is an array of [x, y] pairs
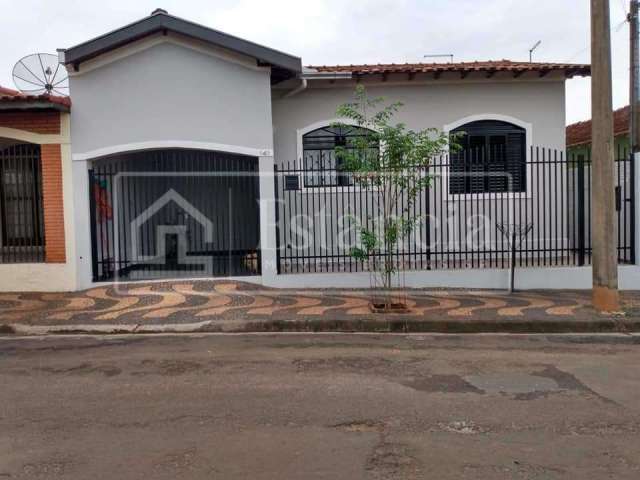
{"points": [[174, 213]]}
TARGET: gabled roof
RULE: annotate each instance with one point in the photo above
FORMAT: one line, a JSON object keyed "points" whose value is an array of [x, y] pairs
{"points": [[14, 100], [489, 67], [580, 133], [284, 65]]}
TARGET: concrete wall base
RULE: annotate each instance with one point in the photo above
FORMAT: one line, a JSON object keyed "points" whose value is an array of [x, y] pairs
{"points": [[556, 278]]}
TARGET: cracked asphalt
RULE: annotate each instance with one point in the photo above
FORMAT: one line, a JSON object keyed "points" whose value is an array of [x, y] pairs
{"points": [[330, 406]]}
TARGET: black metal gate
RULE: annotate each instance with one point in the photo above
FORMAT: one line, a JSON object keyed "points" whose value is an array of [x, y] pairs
{"points": [[174, 213]]}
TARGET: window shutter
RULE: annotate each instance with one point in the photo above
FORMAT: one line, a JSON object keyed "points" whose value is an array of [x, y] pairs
{"points": [[516, 161], [457, 178], [493, 159]]}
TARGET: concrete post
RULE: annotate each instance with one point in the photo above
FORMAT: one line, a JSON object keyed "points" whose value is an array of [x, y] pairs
{"points": [[604, 231], [82, 223], [267, 221]]}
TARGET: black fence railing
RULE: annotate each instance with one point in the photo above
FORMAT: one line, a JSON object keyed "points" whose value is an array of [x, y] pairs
{"points": [[21, 215], [460, 218]]}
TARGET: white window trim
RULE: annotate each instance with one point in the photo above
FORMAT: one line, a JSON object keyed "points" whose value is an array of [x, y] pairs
{"points": [[528, 128], [300, 153]]}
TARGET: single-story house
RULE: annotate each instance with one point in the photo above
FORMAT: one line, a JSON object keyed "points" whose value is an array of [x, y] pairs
{"points": [[579, 134], [184, 151]]}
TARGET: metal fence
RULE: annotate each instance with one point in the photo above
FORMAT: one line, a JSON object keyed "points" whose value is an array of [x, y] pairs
{"points": [[174, 214], [318, 227], [21, 216]]}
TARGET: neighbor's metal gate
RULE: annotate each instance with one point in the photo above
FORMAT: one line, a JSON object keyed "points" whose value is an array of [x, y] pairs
{"points": [[174, 213]]}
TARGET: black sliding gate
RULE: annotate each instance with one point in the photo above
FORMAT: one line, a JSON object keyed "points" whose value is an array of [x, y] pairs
{"points": [[174, 213]]}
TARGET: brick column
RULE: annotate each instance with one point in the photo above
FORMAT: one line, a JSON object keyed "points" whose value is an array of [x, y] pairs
{"points": [[52, 201]]}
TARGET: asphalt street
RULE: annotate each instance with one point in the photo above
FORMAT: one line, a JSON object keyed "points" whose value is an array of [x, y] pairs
{"points": [[324, 406]]}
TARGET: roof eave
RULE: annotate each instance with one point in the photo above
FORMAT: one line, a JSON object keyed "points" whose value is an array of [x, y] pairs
{"points": [[163, 22], [543, 70], [23, 105]]}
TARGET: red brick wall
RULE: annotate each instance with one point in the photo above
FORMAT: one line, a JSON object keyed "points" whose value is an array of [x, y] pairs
{"points": [[36, 122], [53, 204], [46, 122]]}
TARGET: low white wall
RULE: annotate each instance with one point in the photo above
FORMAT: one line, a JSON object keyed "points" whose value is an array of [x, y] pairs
{"points": [[578, 278], [37, 277]]}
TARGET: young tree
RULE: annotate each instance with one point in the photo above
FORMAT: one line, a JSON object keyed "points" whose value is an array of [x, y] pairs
{"points": [[388, 160]]}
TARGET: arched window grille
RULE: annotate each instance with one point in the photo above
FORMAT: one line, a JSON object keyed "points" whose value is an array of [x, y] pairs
{"points": [[319, 161]]}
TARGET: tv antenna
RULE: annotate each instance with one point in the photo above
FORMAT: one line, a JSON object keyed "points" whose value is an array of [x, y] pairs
{"points": [[41, 74], [532, 49]]}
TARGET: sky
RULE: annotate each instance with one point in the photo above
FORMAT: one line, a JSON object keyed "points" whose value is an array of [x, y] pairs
{"points": [[345, 32]]}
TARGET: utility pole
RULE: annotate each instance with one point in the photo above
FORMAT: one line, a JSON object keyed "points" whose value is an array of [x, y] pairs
{"points": [[634, 78], [604, 229], [634, 126]]}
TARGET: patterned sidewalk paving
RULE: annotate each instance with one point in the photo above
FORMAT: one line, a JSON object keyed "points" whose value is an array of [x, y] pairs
{"points": [[227, 303]]}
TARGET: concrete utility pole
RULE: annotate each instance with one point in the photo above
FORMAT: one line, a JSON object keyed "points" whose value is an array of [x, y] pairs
{"points": [[604, 229], [634, 126], [634, 78]]}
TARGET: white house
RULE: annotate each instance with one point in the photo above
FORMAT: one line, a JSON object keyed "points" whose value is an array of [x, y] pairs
{"points": [[244, 135]]}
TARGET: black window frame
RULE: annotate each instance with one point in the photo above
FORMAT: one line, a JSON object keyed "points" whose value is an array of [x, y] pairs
{"points": [[324, 140], [482, 168], [21, 204]]}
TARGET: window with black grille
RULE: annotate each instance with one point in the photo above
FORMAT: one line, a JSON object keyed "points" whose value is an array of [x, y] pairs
{"points": [[21, 215], [492, 158], [319, 161]]}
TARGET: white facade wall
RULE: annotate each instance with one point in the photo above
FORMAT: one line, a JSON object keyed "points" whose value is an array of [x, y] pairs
{"points": [[434, 104], [167, 90]]}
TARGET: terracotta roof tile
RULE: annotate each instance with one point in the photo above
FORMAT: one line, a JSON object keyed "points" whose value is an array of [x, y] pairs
{"points": [[4, 91], [580, 133], [484, 66], [8, 95]]}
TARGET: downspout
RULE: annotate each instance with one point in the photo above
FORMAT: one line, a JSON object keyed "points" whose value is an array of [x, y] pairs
{"points": [[302, 87]]}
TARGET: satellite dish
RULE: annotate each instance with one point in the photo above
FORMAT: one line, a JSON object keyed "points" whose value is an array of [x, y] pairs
{"points": [[41, 74]]}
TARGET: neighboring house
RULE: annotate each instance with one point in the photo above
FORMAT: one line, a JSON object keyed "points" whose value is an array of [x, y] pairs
{"points": [[36, 207], [244, 136], [579, 134]]}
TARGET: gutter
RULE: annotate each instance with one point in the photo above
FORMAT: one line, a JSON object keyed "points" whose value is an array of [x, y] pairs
{"points": [[300, 88], [312, 75]]}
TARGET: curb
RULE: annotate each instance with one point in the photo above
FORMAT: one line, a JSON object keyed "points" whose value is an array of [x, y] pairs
{"points": [[603, 325]]}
